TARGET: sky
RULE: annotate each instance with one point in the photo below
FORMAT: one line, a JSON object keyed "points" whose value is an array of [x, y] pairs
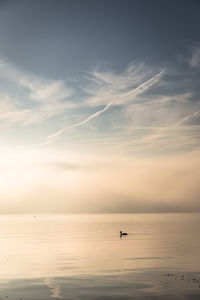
{"points": [[100, 106]]}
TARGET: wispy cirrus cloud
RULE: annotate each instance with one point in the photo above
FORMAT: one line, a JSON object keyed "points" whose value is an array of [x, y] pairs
{"points": [[40, 99], [40, 89], [162, 123], [114, 90], [142, 105], [10, 113], [194, 60], [52, 98], [120, 89]]}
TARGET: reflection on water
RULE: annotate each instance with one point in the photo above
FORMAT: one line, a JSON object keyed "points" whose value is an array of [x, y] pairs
{"points": [[83, 256]]}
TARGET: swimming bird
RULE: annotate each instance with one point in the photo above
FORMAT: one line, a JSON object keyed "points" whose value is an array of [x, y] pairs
{"points": [[123, 233]]}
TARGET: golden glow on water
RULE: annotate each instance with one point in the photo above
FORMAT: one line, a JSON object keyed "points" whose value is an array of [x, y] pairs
{"points": [[65, 245]]}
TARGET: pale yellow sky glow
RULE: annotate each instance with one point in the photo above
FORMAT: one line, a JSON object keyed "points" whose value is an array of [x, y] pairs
{"points": [[50, 181]]}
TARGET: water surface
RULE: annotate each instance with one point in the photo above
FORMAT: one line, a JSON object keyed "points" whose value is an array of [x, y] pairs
{"points": [[83, 256]]}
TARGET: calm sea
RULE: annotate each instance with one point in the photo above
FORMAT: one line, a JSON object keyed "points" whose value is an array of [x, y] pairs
{"points": [[83, 257]]}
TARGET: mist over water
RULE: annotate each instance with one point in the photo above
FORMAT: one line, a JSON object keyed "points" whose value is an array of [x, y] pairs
{"points": [[83, 256]]}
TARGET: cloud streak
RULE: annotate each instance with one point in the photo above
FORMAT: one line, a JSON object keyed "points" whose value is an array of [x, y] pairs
{"points": [[120, 89], [120, 100], [145, 85], [88, 119]]}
